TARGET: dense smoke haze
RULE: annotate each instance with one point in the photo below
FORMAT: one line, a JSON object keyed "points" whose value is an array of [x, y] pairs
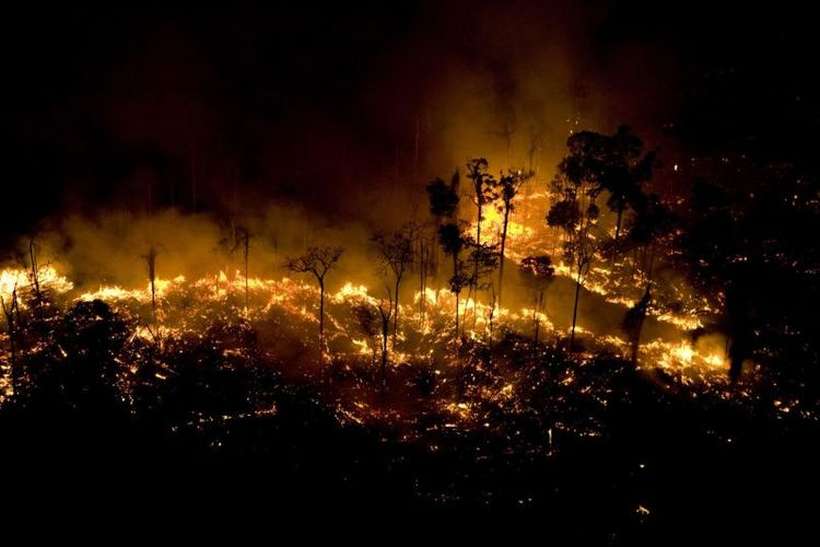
{"points": [[346, 111]]}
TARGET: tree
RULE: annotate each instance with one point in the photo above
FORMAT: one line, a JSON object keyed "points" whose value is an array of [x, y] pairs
{"points": [[443, 199], [243, 240], [396, 256], [650, 229], [317, 261], [452, 242], [484, 193], [483, 259], [483, 189], [539, 272], [509, 185], [574, 189], [367, 321], [151, 263], [632, 324], [385, 308]]}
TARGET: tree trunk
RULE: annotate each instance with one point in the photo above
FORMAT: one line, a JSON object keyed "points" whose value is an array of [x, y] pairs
{"points": [[246, 273], [321, 311], [618, 225], [396, 312], [474, 284], [457, 299], [575, 310], [501, 260], [383, 371]]}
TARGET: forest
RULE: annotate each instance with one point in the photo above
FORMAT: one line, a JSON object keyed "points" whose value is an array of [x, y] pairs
{"points": [[257, 276]]}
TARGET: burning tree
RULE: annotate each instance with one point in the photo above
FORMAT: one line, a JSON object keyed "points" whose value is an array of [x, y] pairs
{"points": [[396, 256], [509, 185], [539, 272], [317, 261]]}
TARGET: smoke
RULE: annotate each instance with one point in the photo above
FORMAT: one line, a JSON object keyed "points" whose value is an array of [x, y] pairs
{"points": [[110, 248]]}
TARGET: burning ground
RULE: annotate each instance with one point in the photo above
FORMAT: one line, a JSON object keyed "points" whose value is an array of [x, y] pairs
{"points": [[219, 367]]}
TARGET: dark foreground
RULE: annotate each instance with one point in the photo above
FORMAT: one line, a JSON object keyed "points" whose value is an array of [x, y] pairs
{"points": [[664, 472]]}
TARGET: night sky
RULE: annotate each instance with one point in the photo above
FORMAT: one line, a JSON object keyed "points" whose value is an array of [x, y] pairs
{"points": [[320, 105]]}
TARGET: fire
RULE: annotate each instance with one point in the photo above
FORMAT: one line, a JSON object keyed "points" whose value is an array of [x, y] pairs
{"points": [[20, 280], [298, 300]]}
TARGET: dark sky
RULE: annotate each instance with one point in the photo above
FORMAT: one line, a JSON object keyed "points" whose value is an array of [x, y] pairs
{"points": [[320, 105]]}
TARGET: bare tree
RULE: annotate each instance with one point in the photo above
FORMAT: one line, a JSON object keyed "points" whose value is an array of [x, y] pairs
{"points": [[385, 308], [396, 256], [317, 261]]}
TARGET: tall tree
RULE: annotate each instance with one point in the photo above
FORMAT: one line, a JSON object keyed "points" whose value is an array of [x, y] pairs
{"points": [[649, 233], [574, 189], [443, 200], [317, 261], [151, 264], [452, 243], [508, 186], [396, 256], [243, 241]]}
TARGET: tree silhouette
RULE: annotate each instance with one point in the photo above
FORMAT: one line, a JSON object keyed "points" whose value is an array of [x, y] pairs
{"points": [[482, 261], [151, 264], [396, 256], [575, 188], [539, 272], [317, 261], [509, 186], [624, 168], [443, 199], [576, 214], [632, 324], [483, 189], [385, 309], [243, 240], [368, 323], [649, 230], [452, 243]]}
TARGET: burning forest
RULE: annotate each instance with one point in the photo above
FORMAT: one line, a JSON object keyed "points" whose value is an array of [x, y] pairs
{"points": [[520, 281]]}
